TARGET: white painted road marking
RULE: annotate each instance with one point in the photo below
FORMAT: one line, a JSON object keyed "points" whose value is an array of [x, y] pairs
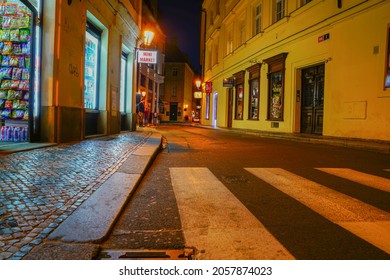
{"points": [[363, 220], [369, 180], [216, 223]]}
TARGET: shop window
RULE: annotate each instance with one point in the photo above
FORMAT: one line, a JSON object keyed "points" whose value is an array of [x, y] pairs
{"points": [[253, 108], [239, 86], [123, 82], [387, 75], [92, 61], [19, 74], [239, 102], [276, 69], [279, 9]]}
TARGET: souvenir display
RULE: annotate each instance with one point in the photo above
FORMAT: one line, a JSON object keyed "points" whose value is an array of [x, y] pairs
{"points": [[15, 51]]}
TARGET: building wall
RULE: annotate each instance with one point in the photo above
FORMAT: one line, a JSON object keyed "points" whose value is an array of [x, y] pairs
{"points": [[63, 45], [184, 84], [353, 54]]}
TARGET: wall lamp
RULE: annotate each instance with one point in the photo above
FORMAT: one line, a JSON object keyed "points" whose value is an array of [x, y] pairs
{"points": [[198, 83], [148, 37]]}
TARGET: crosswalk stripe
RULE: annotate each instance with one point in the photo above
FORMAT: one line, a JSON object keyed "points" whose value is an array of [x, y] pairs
{"points": [[369, 180], [216, 223], [363, 220]]}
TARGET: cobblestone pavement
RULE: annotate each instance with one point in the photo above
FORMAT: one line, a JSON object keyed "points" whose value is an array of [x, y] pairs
{"points": [[40, 188]]}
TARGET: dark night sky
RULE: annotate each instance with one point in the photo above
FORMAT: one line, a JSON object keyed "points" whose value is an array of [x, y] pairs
{"points": [[181, 20]]}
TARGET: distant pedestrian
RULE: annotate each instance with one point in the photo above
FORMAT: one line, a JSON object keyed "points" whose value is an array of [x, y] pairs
{"points": [[141, 111]]}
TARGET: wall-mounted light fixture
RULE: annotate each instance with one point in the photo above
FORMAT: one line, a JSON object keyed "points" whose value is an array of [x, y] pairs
{"points": [[198, 83], [148, 37]]}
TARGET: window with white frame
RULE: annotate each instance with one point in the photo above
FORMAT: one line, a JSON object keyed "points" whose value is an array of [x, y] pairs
{"points": [[257, 19], [279, 9], [242, 31], [229, 40], [215, 56]]}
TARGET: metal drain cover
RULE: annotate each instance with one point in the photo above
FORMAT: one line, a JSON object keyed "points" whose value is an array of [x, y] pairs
{"points": [[108, 254]]}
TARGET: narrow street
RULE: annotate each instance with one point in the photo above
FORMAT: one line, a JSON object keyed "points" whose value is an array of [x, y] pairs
{"points": [[234, 196]]}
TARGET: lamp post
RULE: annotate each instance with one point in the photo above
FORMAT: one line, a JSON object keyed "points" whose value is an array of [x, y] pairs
{"points": [[144, 41], [198, 93]]}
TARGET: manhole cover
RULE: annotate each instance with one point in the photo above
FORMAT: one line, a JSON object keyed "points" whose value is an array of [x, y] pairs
{"points": [[108, 254]]}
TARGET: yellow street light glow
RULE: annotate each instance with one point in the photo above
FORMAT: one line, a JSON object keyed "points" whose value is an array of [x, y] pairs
{"points": [[148, 37]]}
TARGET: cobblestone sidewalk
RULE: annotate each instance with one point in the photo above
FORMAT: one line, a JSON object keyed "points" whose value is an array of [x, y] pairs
{"points": [[40, 188]]}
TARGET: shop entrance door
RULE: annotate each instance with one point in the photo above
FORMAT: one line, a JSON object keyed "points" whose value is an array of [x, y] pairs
{"points": [[173, 112], [312, 108]]}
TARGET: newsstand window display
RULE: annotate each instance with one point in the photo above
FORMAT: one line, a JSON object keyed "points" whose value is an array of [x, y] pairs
{"points": [[16, 21]]}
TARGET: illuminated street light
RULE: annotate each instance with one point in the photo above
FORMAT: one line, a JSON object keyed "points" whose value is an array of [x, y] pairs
{"points": [[148, 37], [198, 83]]}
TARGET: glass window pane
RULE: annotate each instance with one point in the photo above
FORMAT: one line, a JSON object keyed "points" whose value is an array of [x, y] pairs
{"points": [[254, 100], [122, 100], [239, 102], [91, 71]]}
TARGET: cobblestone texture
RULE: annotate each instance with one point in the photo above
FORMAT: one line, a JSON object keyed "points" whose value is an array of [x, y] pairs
{"points": [[40, 188]]}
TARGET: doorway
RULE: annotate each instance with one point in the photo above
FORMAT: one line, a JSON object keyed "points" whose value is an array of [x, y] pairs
{"points": [[215, 108], [173, 111], [312, 107], [230, 108]]}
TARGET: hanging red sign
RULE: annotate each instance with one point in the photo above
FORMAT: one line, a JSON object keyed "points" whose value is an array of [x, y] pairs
{"points": [[209, 87]]}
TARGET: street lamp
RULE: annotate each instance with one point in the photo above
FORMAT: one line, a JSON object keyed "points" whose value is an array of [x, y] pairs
{"points": [[143, 57], [198, 83], [198, 97], [148, 37]]}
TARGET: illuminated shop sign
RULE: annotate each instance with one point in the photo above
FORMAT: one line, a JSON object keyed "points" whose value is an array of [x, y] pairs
{"points": [[228, 82], [149, 57], [209, 87], [197, 94]]}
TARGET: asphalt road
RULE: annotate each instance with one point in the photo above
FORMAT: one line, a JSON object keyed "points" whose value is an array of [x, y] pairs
{"points": [[307, 211]]}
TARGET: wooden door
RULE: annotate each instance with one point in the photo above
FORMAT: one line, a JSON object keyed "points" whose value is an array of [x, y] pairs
{"points": [[173, 112], [230, 108], [312, 108]]}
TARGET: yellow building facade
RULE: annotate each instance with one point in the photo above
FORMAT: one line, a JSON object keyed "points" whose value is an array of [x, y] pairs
{"points": [[314, 67], [88, 68]]}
